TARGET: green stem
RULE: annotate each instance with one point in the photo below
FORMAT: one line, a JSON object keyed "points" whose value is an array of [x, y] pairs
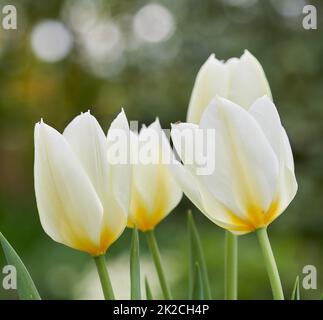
{"points": [[270, 263], [152, 243], [104, 277], [135, 289], [231, 266]]}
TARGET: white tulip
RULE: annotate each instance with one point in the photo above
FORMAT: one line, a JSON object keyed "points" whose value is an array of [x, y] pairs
{"points": [[241, 80], [154, 191], [82, 200], [253, 180]]}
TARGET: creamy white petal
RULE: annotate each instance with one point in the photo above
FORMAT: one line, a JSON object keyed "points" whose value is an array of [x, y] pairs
{"points": [[155, 192], [287, 183], [287, 151], [120, 177], [167, 157], [185, 138], [246, 168], [89, 144], [212, 79], [122, 172], [148, 171], [197, 192], [163, 141], [247, 80], [69, 208], [265, 112]]}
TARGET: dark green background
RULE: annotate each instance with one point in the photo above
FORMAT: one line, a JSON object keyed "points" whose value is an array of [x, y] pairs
{"points": [[156, 80]]}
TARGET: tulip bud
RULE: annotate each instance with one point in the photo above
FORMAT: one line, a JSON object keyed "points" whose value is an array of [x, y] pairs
{"points": [[252, 180], [82, 199], [239, 80], [154, 191]]}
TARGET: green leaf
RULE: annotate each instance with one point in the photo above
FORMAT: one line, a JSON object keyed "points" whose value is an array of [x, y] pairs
{"points": [[135, 266], [25, 285], [198, 293], [149, 295], [196, 255], [296, 291]]}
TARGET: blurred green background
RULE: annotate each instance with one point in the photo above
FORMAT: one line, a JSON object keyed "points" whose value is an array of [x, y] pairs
{"points": [[71, 56]]}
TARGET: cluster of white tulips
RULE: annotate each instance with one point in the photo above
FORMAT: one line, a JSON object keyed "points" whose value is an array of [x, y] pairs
{"points": [[232, 159]]}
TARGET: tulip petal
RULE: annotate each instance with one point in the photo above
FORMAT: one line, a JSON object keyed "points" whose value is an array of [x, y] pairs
{"points": [[188, 183], [69, 208], [174, 191], [247, 80], [121, 175], [184, 136], [265, 112], [121, 172], [287, 151], [185, 140], [197, 193], [193, 185], [287, 187], [211, 80], [246, 168], [155, 191], [90, 144]]}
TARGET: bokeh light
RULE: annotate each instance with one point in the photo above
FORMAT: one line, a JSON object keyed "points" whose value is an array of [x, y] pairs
{"points": [[154, 23], [289, 8], [51, 41], [99, 39], [103, 41]]}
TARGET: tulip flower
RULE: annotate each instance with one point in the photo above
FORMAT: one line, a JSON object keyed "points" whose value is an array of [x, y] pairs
{"points": [[155, 192], [239, 80], [82, 199], [251, 180]]}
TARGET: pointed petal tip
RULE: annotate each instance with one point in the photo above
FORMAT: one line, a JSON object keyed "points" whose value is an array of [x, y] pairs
{"points": [[155, 125], [219, 101], [43, 125], [212, 60], [122, 113], [39, 123], [265, 98], [87, 116], [211, 56], [120, 121], [247, 54]]}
